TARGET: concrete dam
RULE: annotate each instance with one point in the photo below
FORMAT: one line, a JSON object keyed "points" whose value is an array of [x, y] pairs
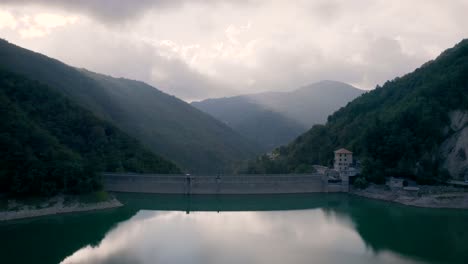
{"points": [[221, 184]]}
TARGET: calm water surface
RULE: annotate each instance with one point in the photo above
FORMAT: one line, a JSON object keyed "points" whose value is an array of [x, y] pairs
{"points": [[315, 228]]}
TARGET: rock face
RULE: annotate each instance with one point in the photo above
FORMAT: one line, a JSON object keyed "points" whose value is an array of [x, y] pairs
{"points": [[454, 150]]}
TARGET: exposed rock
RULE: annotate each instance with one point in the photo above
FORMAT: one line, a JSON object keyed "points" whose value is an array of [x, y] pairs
{"points": [[55, 205], [425, 196], [458, 120], [453, 150]]}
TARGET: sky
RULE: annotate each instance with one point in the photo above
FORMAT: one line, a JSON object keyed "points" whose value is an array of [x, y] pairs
{"points": [[197, 49]]}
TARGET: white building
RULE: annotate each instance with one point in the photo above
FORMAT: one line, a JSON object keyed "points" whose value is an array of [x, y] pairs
{"points": [[343, 160]]}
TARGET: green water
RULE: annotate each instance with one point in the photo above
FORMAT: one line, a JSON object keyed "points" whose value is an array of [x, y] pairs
{"points": [[315, 228]]}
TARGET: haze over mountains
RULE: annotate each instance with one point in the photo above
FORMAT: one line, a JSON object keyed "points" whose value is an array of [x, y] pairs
{"points": [[275, 118], [166, 125]]}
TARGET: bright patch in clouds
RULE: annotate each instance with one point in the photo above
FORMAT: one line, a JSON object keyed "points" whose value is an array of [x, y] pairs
{"points": [[34, 25], [42, 24], [7, 20]]}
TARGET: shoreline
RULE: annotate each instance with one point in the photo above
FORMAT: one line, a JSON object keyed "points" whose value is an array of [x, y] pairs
{"points": [[427, 197], [58, 207]]}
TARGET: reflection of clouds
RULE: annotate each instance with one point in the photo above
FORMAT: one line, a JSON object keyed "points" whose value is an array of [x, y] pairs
{"points": [[303, 236]]}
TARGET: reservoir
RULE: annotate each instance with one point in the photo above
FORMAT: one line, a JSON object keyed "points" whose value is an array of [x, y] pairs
{"points": [[204, 229]]}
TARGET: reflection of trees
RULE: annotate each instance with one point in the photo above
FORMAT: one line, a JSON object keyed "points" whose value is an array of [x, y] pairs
{"points": [[50, 239], [432, 235]]}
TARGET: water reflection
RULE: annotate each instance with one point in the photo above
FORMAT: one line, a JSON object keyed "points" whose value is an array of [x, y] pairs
{"points": [[312, 228], [300, 236]]}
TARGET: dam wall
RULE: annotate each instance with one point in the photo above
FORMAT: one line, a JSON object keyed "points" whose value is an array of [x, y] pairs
{"points": [[216, 184]]}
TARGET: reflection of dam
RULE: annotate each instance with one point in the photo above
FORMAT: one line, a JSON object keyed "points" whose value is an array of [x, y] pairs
{"points": [[215, 184], [227, 203]]}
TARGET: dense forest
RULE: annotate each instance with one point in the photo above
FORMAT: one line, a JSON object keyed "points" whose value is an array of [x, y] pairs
{"points": [[168, 126], [394, 130], [49, 144]]}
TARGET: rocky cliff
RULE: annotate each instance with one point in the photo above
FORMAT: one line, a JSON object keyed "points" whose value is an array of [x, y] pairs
{"points": [[454, 150]]}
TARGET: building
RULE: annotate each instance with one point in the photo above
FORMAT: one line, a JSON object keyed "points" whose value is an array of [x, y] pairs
{"points": [[343, 160]]}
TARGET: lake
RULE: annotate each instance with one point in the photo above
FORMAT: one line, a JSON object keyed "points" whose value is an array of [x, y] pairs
{"points": [[302, 228]]}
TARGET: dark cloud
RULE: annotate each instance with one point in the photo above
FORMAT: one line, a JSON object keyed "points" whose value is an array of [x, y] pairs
{"points": [[385, 60], [113, 11], [108, 10], [325, 10], [179, 79]]}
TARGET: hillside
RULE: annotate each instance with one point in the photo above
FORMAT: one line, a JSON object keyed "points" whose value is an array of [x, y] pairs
{"points": [[49, 144], [166, 125], [275, 118], [414, 126]]}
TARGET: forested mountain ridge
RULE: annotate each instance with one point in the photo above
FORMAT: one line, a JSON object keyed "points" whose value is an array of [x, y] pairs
{"points": [[275, 118], [395, 130], [49, 144], [166, 125]]}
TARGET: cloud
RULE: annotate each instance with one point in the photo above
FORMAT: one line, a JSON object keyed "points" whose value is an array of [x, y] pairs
{"points": [[121, 56], [199, 49]]}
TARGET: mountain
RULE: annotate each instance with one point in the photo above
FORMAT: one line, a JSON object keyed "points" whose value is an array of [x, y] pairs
{"points": [[415, 126], [311, 104], [166, 125], [275, 118], [49, 144], [267, 128]]}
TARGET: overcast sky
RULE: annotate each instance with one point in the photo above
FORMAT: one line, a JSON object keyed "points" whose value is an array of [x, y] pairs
{"points": [[198, 49]]}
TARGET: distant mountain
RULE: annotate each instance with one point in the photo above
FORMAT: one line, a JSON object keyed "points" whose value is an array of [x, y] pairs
{"points": [[275, 118], [415, 126], [49, 144], [168, 126], [310, 104], [267, 128]]}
